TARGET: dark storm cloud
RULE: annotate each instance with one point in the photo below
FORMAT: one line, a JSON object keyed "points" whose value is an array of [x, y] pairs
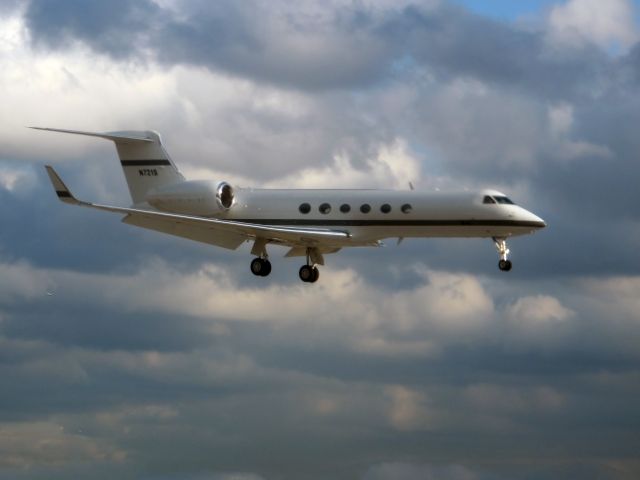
{"points": [[349, 47], [455, 42], [243, 38], [113, 26]]}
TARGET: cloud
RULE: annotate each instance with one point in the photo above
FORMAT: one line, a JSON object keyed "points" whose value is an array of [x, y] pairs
{"points": [[243, 383], [392, 167], [447, 304], [305, 48], [606, 24], [401, 471], [54, 447], [497, 398], [17, 179], [538, 310], [408, 409], [166, 359], [117, 27]]}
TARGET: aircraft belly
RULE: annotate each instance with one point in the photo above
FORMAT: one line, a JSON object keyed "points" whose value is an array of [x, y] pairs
{"points": [[372, 233]]}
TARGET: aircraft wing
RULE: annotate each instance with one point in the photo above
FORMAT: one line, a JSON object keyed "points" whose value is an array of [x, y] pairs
{"points": [[224, 233]]}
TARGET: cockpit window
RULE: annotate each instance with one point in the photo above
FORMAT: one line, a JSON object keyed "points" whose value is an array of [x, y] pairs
{"points": [[504, 200], [488, 199]]}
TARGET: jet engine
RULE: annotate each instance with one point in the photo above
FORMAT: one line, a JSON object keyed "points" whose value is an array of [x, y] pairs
{"points": [[225, 195], [195, 197]]}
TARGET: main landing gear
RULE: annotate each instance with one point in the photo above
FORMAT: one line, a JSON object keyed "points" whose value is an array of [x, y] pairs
{"points": [[309, 273], [261, 266], [501, 245]]}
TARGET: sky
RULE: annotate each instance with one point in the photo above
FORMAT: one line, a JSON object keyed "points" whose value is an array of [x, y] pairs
{"points": [[125, 353]]}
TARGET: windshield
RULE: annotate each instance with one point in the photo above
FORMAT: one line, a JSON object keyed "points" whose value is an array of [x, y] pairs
{"points": [[504, 200]]}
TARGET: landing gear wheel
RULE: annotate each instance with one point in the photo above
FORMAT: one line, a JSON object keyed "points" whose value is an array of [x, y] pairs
{"points": [[260, 267], [306, 273], [504, 265], [309, 274]]}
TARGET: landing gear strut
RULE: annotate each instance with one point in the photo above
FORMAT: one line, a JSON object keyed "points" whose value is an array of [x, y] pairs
{"points": [[260, 267], [501, 245]]}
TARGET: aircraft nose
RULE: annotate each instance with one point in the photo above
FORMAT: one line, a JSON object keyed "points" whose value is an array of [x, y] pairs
{"points": [[535, 220]]}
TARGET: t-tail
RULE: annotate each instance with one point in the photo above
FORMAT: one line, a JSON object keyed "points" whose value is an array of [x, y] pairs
{"points": [[145, 162]]}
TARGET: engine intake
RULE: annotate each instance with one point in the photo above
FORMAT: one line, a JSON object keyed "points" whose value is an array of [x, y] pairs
{"points": [[225, 195]]}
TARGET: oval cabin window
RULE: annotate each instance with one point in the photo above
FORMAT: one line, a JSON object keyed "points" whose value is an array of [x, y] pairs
{"points": [[304, 208]]}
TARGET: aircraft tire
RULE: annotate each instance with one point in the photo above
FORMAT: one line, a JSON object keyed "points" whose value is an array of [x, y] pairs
{"points": [[306, 273], [504, 265], [260, 267]]}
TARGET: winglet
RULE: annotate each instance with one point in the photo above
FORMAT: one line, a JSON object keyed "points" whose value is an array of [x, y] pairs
{"points": [[64, 194]]}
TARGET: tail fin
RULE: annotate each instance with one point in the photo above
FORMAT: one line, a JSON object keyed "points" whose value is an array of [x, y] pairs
{"points": [[145, 162]]}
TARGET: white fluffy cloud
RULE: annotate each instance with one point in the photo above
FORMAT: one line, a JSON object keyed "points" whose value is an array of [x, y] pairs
{"points": [[608, 24], [561, 121], [392, 167], [446, 305], [29, 445], [538, 310], [408, 471]]}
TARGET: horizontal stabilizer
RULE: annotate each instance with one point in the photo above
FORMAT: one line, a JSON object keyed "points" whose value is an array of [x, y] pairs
{"points": [[121, 137]]}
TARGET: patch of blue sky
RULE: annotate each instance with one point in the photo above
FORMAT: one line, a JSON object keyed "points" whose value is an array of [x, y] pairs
{"points": [[508, 10]]}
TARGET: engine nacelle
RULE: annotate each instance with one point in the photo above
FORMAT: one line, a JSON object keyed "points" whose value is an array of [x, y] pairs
{"points": [[204, 198]]}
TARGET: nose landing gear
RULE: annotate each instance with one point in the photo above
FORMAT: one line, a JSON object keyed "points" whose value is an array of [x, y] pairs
{"points": [[501, 245]]}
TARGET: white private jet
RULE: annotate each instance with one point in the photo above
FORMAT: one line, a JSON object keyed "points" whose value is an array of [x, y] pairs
{"points": [[311, 222]]}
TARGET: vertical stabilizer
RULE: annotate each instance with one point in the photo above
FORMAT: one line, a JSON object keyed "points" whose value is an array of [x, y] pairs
{"points": [[146, 165], [145, 162]]}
